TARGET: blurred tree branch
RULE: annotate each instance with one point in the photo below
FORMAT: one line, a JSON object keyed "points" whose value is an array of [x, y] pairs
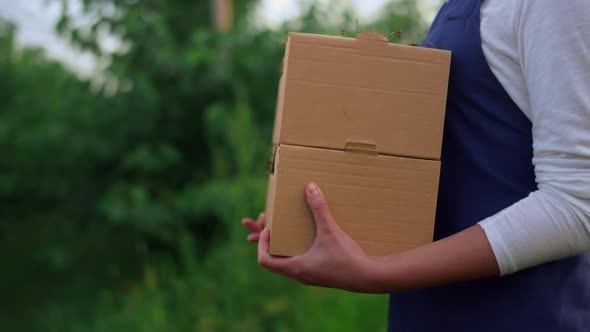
{"points": [[222, 12]]}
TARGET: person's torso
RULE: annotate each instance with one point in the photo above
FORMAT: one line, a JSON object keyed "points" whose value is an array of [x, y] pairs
{"points": [[486, 167]]}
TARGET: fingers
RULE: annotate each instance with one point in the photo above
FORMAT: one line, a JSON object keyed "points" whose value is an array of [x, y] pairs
{"points": [[253, 237], [255, 226], [252, 225], [319, 208], [279, 265], [263, 244], [261, 221]]}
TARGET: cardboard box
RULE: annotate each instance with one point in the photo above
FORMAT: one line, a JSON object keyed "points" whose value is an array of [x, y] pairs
{"points": [[362, 118]]}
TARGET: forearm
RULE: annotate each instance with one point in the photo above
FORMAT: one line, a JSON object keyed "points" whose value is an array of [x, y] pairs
{"points": [[464, 256]]}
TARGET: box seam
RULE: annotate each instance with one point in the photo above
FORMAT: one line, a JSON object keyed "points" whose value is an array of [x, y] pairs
{"points": [[343, 150]]}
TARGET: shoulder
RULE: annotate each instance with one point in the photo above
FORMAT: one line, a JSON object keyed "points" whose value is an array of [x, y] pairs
{"points": [[542, 11]]}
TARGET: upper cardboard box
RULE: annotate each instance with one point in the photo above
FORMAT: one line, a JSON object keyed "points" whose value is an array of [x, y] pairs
{"points": [[337, 91]]}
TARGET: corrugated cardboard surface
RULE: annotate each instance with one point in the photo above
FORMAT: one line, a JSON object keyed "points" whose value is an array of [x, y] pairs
{"points": [[363, 119], [270, 199], [279, 112], [335, 90], [384, 203]]}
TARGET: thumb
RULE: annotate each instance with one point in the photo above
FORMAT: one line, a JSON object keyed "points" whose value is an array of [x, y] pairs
{"points": [[319, 208]]}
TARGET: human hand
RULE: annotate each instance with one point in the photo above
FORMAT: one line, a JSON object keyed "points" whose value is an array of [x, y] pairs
{"points": [[334, 260], [255, 227]]}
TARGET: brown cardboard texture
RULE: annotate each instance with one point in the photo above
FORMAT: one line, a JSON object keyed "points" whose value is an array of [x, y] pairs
{"points": [[385, 203], [337, 89], [363, 119]]}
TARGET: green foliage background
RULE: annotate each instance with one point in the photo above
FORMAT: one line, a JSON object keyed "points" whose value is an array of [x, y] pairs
{"points": [[121, 196]]}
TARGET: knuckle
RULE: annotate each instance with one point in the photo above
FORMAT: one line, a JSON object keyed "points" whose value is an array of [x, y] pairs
{"points": [[321, 210], [319, 204]]}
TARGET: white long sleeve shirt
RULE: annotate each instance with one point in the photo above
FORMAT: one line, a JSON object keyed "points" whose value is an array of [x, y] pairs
{"points": [[540, 52]]}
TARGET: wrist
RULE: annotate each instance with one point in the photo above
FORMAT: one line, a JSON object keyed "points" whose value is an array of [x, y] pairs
{"points": [[379, 274]]}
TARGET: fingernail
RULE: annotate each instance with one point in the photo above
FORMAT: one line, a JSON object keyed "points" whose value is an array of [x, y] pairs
{"points": [[313, 190]]}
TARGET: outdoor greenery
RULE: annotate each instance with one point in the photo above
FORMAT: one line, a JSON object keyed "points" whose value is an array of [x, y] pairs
{"points": [[121, 195]]}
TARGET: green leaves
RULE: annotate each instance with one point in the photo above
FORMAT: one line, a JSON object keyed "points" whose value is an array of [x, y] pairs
{"points": [[152, 159], [120, 198]]}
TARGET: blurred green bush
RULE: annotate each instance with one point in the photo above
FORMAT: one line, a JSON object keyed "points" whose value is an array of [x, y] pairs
{"points": [[120, 197]]}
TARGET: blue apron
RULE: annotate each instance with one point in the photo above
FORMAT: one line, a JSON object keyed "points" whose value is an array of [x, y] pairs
{"points": [[487, 166]]}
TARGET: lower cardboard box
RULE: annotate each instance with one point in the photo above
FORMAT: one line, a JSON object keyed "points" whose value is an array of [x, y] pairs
{"points": [[385, 203]]}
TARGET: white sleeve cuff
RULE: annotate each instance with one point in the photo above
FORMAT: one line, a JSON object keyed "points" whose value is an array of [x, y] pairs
{"points": [[503, 256], [540, 228]]}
